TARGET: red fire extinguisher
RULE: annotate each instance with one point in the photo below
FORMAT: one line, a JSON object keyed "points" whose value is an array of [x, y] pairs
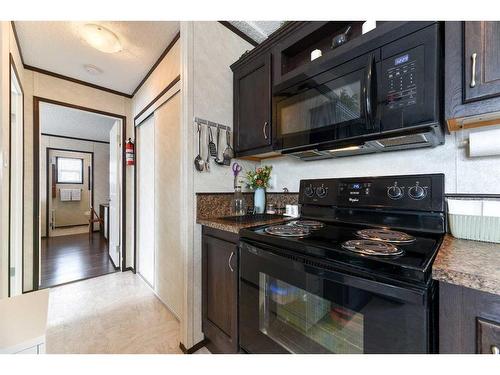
{"points": [[129, 152]]}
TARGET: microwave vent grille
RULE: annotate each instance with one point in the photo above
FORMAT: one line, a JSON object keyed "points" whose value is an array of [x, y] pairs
{"points": [[406, 140]]}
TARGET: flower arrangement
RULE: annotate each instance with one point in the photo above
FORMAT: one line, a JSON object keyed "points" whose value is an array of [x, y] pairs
{"points": [[259, 178]]}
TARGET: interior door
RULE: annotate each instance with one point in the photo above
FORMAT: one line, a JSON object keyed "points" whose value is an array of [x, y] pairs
{"points": [[16, 186], [114, 192], [145, 164]]}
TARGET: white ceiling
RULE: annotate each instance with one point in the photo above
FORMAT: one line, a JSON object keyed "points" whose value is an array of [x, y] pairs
{"points": [[70, 122], [56, 46], [257, 30]]}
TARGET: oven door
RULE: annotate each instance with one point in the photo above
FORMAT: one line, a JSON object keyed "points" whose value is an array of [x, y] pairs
{"points": [[288, 306], [336, 105]]}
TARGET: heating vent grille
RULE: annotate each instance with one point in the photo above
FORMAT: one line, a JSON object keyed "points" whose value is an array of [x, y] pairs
{"points": [[403, 140]]}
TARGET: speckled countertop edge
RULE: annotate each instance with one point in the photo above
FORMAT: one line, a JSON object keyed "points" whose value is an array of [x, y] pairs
{"points": [[472, 264], [224, 225]]}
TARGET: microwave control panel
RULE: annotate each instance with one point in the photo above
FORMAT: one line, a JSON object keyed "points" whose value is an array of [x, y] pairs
{"points": [[401, 73]]}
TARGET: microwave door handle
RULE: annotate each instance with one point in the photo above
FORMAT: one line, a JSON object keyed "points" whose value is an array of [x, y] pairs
{"points": [[369, 82]]}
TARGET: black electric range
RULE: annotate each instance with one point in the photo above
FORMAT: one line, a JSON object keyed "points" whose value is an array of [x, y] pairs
{"points": [[352, 275]]}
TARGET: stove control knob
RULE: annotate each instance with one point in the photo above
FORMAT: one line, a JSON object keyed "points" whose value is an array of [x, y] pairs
{"points": [[309, 191], [321, 191], [417, 192], [395, 192]]}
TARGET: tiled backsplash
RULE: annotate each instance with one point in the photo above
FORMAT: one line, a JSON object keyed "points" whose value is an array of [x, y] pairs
{"points": [[210, 205]]}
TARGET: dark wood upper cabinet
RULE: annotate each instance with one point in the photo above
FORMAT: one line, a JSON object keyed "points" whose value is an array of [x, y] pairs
{"points": [[220, 290], [252, 107], [481, 60], [467, 94]]}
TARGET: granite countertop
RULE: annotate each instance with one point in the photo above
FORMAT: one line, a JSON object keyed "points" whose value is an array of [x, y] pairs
{"points": [[472, 264], [234, 227]]}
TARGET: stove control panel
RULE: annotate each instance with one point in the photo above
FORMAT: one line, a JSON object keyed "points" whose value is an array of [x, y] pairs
{"points": [[410, 192]]}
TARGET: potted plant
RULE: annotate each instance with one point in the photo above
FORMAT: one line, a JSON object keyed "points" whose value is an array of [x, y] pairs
{"points": [[258, 181]]}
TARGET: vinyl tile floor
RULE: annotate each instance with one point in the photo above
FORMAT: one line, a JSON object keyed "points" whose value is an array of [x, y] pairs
{"points": [[111, 314]]}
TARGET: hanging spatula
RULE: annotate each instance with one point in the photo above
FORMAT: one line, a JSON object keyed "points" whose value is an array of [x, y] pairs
{"points": [[212, 148]]}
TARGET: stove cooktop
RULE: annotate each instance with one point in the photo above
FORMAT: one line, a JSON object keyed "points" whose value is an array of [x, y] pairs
{"points": [[411, 261]]}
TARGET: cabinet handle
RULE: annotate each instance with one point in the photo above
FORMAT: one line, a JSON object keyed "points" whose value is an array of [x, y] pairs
{"points": [[473, 73], [495, 349], [229, 261], [264, 129]]}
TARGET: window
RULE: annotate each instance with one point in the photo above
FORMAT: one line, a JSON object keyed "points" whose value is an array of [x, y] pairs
{"points": [[69, 170]]}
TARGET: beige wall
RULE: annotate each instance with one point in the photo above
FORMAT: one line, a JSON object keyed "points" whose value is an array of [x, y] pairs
{"points": [[48, 87], [101, 170], [66, 213], [208, 49]]}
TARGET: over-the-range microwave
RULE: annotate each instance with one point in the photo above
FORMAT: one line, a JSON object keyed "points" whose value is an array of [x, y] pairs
{"points": [[386, 98]]}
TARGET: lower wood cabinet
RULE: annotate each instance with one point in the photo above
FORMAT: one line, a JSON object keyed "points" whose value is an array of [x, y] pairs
{"points": [[220, 290], [469, 321]]}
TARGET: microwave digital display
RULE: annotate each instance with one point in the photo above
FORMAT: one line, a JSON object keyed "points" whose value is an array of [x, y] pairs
{"points": [[401, 59], [355, 186]]}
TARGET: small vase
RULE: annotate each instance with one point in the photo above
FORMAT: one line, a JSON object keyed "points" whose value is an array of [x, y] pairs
{"points": [[259, 200]]}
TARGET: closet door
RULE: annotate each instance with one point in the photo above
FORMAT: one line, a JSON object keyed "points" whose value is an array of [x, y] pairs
{"points": [[146, 200], [168, 206]]}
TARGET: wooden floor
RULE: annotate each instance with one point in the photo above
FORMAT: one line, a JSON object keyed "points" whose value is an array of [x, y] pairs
{"points": [[69, 258], [111, 314]]}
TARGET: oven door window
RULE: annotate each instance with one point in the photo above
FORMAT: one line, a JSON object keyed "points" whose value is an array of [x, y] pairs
{"points": [[303, 322]]}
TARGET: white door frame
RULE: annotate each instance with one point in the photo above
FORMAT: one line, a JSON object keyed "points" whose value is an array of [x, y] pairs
{"points": [[16, 183], [36, 185]]}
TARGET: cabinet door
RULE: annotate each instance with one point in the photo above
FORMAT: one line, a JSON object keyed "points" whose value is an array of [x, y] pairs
{"points": [[488, 337], [220, 293], [252, 106], [481, 60]]}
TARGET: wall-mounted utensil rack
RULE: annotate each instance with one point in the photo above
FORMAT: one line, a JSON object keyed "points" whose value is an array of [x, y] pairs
{"points": [[201, 121], [213, 148]]}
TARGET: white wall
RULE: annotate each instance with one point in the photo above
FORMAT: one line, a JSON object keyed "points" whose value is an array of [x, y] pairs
{"points": [[462, 174], [208, 49], [7, 46], [101, 170], [164, 73]]}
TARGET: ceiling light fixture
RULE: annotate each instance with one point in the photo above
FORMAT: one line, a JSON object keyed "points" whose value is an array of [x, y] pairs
{"points": [[92, 69], [101, 38]]}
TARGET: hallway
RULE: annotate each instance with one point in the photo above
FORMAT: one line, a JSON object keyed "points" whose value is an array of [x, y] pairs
{"points": [[116, 313], [69, 258]]}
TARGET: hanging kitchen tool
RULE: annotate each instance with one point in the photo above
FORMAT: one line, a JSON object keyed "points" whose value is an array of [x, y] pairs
{"points": [[217, 161], [199, 163], [212, 148], [207, 162], [228, 152]]}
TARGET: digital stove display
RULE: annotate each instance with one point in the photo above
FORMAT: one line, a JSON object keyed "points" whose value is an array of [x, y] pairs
{"points": [[401, 59], [355, 186]]}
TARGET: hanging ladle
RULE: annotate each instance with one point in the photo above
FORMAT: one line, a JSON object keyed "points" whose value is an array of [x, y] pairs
{"points": [[199, 163]]}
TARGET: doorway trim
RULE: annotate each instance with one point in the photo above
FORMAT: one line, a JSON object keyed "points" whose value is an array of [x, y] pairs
{"points": [[12, 67], [48, 149], [36, 180]]}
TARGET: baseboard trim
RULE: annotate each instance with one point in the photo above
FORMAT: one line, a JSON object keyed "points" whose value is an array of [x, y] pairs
{"points": [[129, 269], [113, 263], [194, 348]]}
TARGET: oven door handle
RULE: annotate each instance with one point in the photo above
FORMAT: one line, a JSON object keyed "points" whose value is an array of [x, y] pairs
{"points": [[369, 89]]}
